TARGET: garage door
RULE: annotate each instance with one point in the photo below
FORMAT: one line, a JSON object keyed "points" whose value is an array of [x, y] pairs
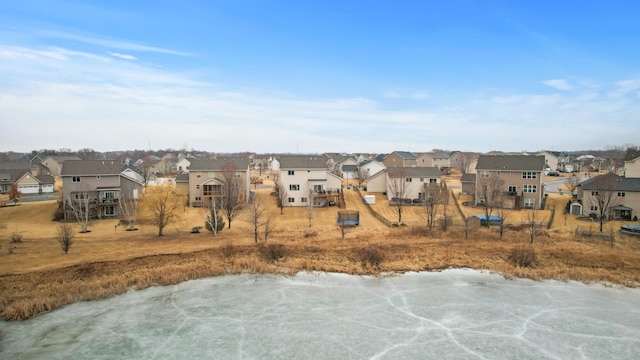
{"points": [[28, 189]]}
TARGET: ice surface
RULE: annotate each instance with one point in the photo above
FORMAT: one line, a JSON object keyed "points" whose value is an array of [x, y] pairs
{"points": [[454, 314]]}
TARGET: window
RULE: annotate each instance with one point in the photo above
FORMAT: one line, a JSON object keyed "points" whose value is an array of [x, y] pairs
{"points": [[75, 179], [529, 175], [291, 200], [421, 179], [294, 187], [529, 203], [198, 174], [304, 199], [291, 172], [594, 208], [198, 198], [484, 174], [511, 173], [407, 179], [498, 172], [197, 187], [529, 188], [513, 189], [211, 174], [594, 193], [621, 194], [109, 210], [79, 196], [109, 195], [433, 181], [317, 188]]}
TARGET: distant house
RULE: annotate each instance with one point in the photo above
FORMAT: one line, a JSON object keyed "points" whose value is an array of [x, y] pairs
{"points": [[551, 160], [377, 182], [468, 182], [55, 163], [164, 167], [27, 178], [372, 167], [102, 182], [624, 203], [414, 179], [632, 163], [440, 160], [400, 159], [463, 161], [522, 176], [207, 179], [182, 184], [306, 179]]}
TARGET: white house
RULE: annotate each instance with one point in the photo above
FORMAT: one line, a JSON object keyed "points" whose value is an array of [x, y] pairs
{"points": [[306, 178]]}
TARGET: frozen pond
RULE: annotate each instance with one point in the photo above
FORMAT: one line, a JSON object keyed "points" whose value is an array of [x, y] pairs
{"points": [[454, 314]]}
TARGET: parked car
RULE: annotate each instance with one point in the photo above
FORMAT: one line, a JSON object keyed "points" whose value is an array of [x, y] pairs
{"points": [[553, 173]]}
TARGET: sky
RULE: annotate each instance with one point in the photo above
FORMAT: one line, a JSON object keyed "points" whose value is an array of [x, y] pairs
{"points": [[319, 76]]}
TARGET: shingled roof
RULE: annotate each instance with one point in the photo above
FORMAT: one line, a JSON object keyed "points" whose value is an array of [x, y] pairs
{"points": [[91, 167], [414, 172], [618, 183], [218, 164], [302, 162], [510, 163]]}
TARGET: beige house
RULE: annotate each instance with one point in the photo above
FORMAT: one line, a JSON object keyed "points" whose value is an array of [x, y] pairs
{"points": [[400, 159], [464, 161], [522, 176], [434, 159], [102, 183], [26, 177], [551, 160], [623, 198], [377, 182], [632, 164], [306, 179], [55, 162], [207, 179]]}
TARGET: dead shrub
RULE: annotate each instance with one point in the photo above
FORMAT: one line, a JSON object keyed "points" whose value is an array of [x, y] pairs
{"points": [[310, 234], [16, 237], [228, 251], [371, 256], [271, 252], [523, 256]]}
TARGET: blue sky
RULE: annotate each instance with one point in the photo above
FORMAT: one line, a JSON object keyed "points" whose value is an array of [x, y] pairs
{"points": [[319, 76]]}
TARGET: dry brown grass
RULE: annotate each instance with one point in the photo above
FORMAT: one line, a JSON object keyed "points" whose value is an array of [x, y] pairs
{"points": [[39, 277]]}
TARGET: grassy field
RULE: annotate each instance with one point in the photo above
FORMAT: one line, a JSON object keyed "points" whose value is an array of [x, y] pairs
{"points": [[37, 276]]}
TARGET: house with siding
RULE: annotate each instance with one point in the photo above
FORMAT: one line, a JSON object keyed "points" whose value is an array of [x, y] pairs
{"points": [[400, 159], [101, 182], [624, 196], [27, 178], [522, 176], [632, 163], [55, 163], [414, 178], [440, 160], [207, 179], [306, 178], [463, 161]]}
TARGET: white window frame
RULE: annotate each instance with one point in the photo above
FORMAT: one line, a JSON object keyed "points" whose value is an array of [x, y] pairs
{"points": [[294, 187], [75, 179], [530, 188]]}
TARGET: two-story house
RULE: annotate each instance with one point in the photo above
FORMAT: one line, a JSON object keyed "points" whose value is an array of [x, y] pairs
{"points": [[400, 159], [632, 163], [620, 195], [101, 182], [434, 159], [306, 178], [411, 180], [208, 177], [464, 161], [27, 178], [522, 176], [55, 163]]}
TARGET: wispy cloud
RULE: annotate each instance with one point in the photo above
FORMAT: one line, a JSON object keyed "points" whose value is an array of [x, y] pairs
{"points": [[623, 87], [559, 84], [415, 95], [123, 56]]}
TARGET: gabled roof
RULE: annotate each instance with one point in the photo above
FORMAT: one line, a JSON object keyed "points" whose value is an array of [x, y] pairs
{"points": [[468, 178], [437, 155], [380, 157], [405, 155], [415, 172], [352, 168], [213, 181], [182, 178], [219, 164], [632, 154], [510, 162], [9, 176], [63, 158], [91, 167], [15, 165], [45, 179], [339, 159], [304, 162], [617, 183]]}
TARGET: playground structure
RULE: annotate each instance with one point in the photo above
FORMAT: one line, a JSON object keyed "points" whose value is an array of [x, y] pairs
{"points": [[348, 218]]}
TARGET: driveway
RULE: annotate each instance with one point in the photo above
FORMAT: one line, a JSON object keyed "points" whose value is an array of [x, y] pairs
{"points": [[552, 185], [37, 197]]}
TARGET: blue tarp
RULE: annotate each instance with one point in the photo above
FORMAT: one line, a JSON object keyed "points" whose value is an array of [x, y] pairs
{"points": [[493, 219]]}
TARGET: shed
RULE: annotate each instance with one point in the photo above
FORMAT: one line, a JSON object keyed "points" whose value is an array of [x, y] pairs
{"points": [[370, 199]]}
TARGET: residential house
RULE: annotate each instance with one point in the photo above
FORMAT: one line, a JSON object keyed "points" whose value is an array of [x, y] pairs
{"points": [[632, 163], [623, 195], [468, 182], [182, 165], [101, 182], [522, 176], [372, 167], [551, 160], [440, 160], [27, 178], [377, 182], [341, 160], [163, 167], [400, 159], [414, 180], [182, 184], [306, 178], [208, 177], [463, 161], [55, 163]]}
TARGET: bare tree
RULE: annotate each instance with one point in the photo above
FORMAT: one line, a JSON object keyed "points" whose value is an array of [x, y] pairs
{"points": [[604, 196], [162, 203], [80, 205], [445, 198], [267, 227], [232, 192], [14, 194], [145, 169], [129, 207], [255, 215], [361, 175], [65, 236], [490, 193], [214, 222], [310, 202], [503, 214], [282, 196], [534, 220], [571, 184], [432, 201], [397, 187]]}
